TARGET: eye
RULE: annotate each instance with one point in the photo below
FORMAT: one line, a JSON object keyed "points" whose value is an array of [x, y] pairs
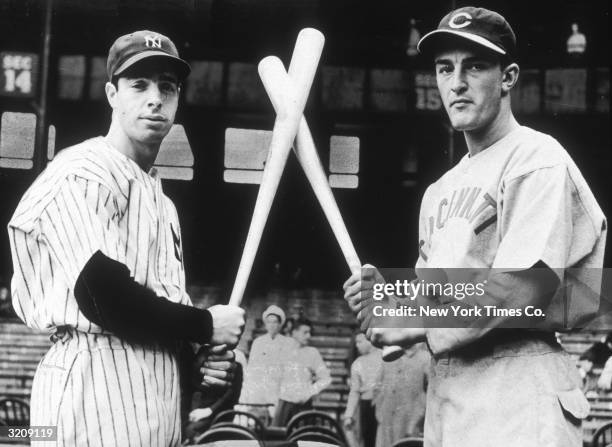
{"points": [[444, 69], [476, 66], [168, 87], [139, 84]]}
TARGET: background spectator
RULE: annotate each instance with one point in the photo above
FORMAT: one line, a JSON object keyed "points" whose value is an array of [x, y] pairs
{"points": [[268, 354], [399, 396], [305, 375], [360, 406]]}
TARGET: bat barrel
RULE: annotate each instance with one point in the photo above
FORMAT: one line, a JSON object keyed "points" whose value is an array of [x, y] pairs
{"points": [[290, 105]]}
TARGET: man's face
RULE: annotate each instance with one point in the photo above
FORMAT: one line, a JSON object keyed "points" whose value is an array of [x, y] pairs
{"points": [[145, 102], [586, 365], [470, 85], [302, 334], [272, 324]]}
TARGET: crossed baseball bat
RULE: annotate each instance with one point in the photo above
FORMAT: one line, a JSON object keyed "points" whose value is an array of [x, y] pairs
{"points": [[288, 92]]}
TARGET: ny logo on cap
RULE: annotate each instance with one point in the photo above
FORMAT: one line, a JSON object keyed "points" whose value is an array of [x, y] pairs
{"points": [[457, 22], [152, 41]]}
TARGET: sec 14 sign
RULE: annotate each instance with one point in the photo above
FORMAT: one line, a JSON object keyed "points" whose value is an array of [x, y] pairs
{"points": [[18, 74]]}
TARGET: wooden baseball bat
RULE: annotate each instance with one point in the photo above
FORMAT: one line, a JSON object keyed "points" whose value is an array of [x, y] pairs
{"points": [[304, 62], [308, 157]]}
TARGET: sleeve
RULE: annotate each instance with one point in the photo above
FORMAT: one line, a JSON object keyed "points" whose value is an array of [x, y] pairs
{"points": [[355, 386], [423, 245], [255, 353], [108, 296], [322, 377], [78, 229], [605, 379], [514, 290], [78, 222], [53, 233], [377, 392], [543, 226], [543, 218]]}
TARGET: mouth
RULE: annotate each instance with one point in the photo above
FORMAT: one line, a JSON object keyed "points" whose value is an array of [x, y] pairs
{"points": [[460, 102], [154, 118]]}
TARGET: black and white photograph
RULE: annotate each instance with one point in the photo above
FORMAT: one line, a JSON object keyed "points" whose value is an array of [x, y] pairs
{"points": [[305, 223]]}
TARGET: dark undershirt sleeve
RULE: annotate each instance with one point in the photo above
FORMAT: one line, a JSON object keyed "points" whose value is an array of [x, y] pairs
{"points": [[109, 297]]}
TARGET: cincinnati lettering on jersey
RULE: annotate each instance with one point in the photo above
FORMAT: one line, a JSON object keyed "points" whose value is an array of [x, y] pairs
{"points": [[465, 203]]}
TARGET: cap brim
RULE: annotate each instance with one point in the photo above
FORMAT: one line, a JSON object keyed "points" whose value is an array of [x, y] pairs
{"points": [[183, 67], [282, 317], [426, 41]]}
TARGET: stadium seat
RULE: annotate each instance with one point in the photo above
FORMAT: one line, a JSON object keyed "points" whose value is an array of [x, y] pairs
{"points": [[314, 418], [228, 433], [14, 411], [242, 418], [409, 442], [603, 436], [311, 428], [316, 436]]}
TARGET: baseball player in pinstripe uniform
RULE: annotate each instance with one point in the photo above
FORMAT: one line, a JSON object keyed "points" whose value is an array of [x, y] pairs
{"points": [[96, 248], [516, 203]]}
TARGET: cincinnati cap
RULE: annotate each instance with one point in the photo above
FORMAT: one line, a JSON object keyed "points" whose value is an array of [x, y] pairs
{"points": [[139, 45], [479, 25]]}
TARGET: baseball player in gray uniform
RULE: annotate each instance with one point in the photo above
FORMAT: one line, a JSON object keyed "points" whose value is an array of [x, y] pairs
{"points": [[97, 255], [516, 202]]}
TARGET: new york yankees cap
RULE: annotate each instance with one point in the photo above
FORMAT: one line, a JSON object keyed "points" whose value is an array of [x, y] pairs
{"points": [[134, 47], [479, 25]]}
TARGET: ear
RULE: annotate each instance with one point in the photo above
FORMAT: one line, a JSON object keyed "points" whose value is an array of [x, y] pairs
{"points": [[111, 93], [510, 76]]}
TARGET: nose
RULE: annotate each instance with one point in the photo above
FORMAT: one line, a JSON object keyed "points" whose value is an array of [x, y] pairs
{"points": [[154, 98], [458, 83]]}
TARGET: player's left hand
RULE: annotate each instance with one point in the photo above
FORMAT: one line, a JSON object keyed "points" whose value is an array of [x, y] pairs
{"points": [[381, 337], [216, 365]]}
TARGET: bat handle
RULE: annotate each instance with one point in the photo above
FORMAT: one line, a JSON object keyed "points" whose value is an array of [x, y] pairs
{"points": [[391, 353]]}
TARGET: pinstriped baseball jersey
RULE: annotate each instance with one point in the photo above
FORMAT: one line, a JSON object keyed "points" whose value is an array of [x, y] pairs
{"points": [[91, 384]]}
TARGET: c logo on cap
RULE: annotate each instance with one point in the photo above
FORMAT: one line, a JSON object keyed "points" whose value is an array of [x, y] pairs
{"points": [[453, 21]]}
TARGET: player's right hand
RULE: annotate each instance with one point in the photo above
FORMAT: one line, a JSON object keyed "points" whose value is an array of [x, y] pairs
{"points": [[358, 289], [228, 324], [214, 367]]}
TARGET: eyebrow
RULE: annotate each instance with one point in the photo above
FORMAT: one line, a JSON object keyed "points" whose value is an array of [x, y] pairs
{"points": [[169, 77], [162, 77], [467, 60]]}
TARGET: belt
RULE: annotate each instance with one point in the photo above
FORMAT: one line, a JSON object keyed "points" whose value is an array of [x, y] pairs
{"points": [[499, 341], [62, 333]]}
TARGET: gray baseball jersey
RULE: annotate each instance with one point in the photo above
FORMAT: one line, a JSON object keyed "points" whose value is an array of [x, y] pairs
{"points": [[520, 201], [97, 388]]}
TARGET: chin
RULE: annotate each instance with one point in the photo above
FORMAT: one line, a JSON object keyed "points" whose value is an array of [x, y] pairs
{"points": [[153, 137], [462, 124]]}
